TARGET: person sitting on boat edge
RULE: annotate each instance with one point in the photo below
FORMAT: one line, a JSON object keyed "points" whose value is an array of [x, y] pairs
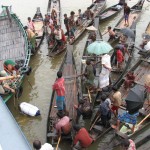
{"points": [[105, 111], [83, 108], [130, 77], [63, 126], [127, 117], [38, 146], [31, 38], [11, 67], [82, 138], [128, 144], [5, 85], [59, 87]]}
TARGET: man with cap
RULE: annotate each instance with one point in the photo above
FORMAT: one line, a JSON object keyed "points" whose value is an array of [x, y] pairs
{"points": [[11, 67]]}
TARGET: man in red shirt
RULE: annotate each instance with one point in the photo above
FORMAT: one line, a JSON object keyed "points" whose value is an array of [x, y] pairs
{"points": [[60, 90], [120, 58], [82, 138]]}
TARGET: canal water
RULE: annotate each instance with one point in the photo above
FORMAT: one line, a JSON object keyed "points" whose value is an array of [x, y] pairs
{"points": [[44, 69]]}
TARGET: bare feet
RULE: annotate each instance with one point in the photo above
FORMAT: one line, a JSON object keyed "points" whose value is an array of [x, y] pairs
{"points": [[114, 127]]}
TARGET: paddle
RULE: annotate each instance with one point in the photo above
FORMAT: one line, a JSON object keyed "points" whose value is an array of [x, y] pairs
{"points": [[94, 122], [58, 142]]}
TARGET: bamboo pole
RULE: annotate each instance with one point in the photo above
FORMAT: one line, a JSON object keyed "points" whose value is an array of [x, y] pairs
{"points": [[89, 96], [94, 122], [143, 120], [58, 142]]}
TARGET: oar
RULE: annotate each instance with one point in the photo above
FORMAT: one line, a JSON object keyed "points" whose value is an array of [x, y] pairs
{"points": [[143, 120], [94, 122], [58, 142]]}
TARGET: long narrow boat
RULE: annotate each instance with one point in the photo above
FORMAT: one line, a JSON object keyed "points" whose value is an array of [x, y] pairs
{"points": [[110, 12], [140, 69], [133, 19], [56, 5], [96, 7], [68, 69], [38, 22], [8, 128], [13, 45], [97, 131]]}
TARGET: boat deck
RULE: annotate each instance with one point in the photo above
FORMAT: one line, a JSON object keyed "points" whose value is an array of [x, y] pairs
{"points": [[11, 136], [140, 72], [131, 19], [12, 44]]}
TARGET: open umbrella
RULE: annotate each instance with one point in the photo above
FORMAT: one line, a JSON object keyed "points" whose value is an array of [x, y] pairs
{"points": [[99, 47], [128, 32], [91, 28], [135, 98]]}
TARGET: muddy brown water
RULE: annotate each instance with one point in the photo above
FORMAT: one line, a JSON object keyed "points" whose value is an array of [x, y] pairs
{"points": [[44, 69]]}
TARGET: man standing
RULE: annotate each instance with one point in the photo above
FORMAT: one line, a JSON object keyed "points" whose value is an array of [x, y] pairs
{"points": [[60, 90], [126, 14], [66, 23], [89, 74], [105, 72]]}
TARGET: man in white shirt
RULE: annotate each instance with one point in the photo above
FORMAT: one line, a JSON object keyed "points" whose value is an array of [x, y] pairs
{"points": [[37, 146]]}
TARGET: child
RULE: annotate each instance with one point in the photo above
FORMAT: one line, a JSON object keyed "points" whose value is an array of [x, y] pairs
{"points": [[120, 58]]}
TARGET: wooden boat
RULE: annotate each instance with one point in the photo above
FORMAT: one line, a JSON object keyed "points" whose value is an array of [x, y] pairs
{"points": [[56, 5], [10, 127], [133, 19], [96, 7], [38, 22], [68, 68], [88, 56], [13, 45], [98, 132], [110, 12]]}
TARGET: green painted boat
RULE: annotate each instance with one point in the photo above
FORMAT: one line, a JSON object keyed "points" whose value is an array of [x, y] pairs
{"points": [[14, 45]]}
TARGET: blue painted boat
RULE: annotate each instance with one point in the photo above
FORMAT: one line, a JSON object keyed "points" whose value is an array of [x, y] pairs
{"points": [[11, 136], [14, 45]]}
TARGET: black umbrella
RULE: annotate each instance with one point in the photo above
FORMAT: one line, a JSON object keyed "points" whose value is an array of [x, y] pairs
{"points": [[135, 98], [128, 32]]}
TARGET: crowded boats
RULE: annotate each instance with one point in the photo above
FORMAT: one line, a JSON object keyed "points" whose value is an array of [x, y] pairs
{"points": [[117, 107]]}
